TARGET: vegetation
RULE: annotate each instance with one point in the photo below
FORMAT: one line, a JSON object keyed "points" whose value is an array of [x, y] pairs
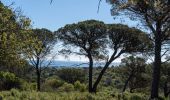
{"points": [[91, 37], [42, 42], [26, 55], [155, 16]]}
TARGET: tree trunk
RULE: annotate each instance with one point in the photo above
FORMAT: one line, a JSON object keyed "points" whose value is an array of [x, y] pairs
{"points": [[157, 64], [127, 81], [38, 75], [38, 80], [100, 76], [90, 72]]}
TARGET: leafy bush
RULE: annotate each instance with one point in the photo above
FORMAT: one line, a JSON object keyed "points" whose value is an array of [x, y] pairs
{"points": [[79, 87], [137, 97], [72, 75], [66, 87], [52, 84], [9, 81]]}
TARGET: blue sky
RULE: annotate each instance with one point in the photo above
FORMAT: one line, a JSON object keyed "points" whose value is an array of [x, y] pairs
{"points": [[62, 12]]}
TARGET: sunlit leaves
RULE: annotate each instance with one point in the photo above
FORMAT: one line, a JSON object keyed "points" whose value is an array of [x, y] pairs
{"points": [[11, 36]]}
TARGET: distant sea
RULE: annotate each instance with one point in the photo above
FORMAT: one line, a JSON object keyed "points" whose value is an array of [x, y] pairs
{"points": [[77, 64]]}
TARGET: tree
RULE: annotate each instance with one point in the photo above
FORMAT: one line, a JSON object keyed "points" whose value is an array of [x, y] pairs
{"points": [[94, 38], [132, 70], [155, 15], [88, 38], [13, 29], [39, 48], [123, 39]]}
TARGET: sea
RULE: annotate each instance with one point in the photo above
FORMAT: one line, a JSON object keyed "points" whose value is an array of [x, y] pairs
{"points": [[77, 64]]}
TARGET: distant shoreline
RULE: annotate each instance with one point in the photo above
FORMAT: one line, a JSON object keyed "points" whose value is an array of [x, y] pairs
{"points": [[56, 63]]}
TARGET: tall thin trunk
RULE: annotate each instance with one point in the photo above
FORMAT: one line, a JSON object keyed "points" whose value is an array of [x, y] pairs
{"points": [[157, 64], [127, 81], [38, 75], [38, 81], [90, 73]]}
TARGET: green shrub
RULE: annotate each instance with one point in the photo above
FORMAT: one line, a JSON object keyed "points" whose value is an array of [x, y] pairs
{"points": [[27, 86], [52, 84], [136, 97], [33, 86], [79, 86], [15, 92], [66, 87], [1, 97], [71, 75], [9, 81]]}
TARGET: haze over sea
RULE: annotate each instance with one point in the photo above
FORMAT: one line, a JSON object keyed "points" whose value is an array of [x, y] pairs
{"points": [[77, 64]]}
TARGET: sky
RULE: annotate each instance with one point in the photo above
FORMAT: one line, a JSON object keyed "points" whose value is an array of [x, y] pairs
{"points": [[62, 12]]}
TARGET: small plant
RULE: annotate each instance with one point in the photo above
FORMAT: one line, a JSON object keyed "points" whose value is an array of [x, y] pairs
{"points": [[79, 86], [66, 87]]}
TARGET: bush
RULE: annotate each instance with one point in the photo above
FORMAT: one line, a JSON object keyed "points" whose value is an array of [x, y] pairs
{"points": [[15, 92], [9, 81], [79, 87], [66, 87], [52, 84], [72, 75]]}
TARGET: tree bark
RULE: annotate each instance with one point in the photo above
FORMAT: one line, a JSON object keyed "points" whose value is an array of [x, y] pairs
{"points": [[90, 73], [38, 75], [38, 81], [127, 81], [157, 64], [100, 76]]}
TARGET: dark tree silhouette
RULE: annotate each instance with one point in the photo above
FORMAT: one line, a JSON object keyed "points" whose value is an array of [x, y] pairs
{"points": [[94, 38], [155, 15], [132, 69], [88, 37]]}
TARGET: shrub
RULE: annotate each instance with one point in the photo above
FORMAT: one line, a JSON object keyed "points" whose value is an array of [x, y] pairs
{"points": [[15, 93], [66, 87], [52, 84], [72, 75], [9, 81], [136, 96], [79, 87]]}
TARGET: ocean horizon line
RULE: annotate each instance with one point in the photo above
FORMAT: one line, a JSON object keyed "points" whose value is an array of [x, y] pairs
{"points": [[59, 63]]}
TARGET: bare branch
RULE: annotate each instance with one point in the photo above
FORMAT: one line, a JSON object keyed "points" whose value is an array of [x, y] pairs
{"points": [[164, 53], [98, 6], [50, 61]]}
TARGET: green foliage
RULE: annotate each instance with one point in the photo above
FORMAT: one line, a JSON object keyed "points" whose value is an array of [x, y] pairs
{"points": [[133, 72], [136, 97], [72, 75], [52, 84], [9, 80], [28, 86], [87, 35], [66, 87], [79, 86], [13, 29], [129, 40]]}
